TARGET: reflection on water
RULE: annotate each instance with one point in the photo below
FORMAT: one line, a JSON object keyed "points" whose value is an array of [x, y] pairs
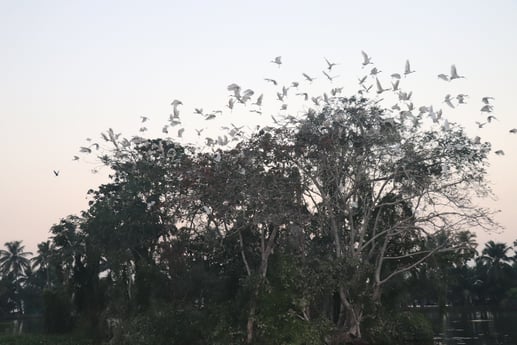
{"points": [[474, 327]]}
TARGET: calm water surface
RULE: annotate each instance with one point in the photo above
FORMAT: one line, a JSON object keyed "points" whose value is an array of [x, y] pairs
{"points": [[474, 327]]}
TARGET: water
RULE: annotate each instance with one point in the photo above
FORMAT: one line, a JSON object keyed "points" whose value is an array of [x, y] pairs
{"points": [[474, 327]]}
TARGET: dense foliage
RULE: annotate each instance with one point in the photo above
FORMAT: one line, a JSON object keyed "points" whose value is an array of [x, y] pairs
{"points": [[298, 234]]}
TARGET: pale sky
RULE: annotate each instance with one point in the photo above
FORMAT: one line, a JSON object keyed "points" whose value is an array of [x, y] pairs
{"points": [[72, 69]]}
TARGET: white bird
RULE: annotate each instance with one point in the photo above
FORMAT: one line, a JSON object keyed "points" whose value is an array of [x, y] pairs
{"points": [[407, 69], [329, 64], [362, 80], [374, 71], [461, 98], [443, 77], [487, 99], [304, 94], [328, 76], [490, 118], [395, 85], [271, 81], [454, 73], [231, 103], [236, 89], [259, 100], [487, 108], [448, 101], [310, 79], [277, 60], [199, 131], [366, 59], [380, 89], [175, 103]]}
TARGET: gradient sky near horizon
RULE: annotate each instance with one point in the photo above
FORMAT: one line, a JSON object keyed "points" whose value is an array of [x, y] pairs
{"points": [[72, 69]]}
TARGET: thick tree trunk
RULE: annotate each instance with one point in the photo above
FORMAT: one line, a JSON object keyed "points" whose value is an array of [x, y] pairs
{"points": [[349, 322]]}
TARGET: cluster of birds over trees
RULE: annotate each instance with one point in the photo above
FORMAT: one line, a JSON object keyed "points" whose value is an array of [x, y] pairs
{"points": [[369, 85]]}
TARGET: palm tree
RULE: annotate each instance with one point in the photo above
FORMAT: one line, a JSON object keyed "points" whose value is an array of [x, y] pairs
{"points": [[42, 261], [14, 260], [495, 267]]}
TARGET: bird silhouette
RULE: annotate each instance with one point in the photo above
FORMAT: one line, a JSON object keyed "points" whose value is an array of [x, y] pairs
{"points": [[366, 59], [309, 79], [407, 69], [277, 60], [454, 73], [329, 64], [56, 172]]}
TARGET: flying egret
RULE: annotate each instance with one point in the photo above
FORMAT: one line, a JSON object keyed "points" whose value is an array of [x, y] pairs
{"points": [[407, 69], [277, 60], [271, 81], [329, 64], [310, 79], [259, 100], [448, 100], [328, 76], [487, 99], [443, 77], [454, 73], [366, 59], [304, 94], [380, 89]]}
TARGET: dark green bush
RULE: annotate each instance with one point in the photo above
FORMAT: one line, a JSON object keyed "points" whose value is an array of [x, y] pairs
{"points": [[57, 311], [405, 328]]}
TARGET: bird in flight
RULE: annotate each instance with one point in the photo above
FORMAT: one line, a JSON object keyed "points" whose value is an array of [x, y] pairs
{"points": [[454, 73], [443, 77], [329, 64], [328, 76], [366, 59], [310, 79], [144, 118], [513, 130], [499, 152], [407, 69], [277, 60], [56, 172], [271, 81]]}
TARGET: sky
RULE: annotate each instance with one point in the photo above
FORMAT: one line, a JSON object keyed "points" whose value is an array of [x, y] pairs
{"points": [[70, 70]]}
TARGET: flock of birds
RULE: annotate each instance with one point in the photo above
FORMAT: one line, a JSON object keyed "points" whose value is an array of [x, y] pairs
{"points": [[368, 84]]}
